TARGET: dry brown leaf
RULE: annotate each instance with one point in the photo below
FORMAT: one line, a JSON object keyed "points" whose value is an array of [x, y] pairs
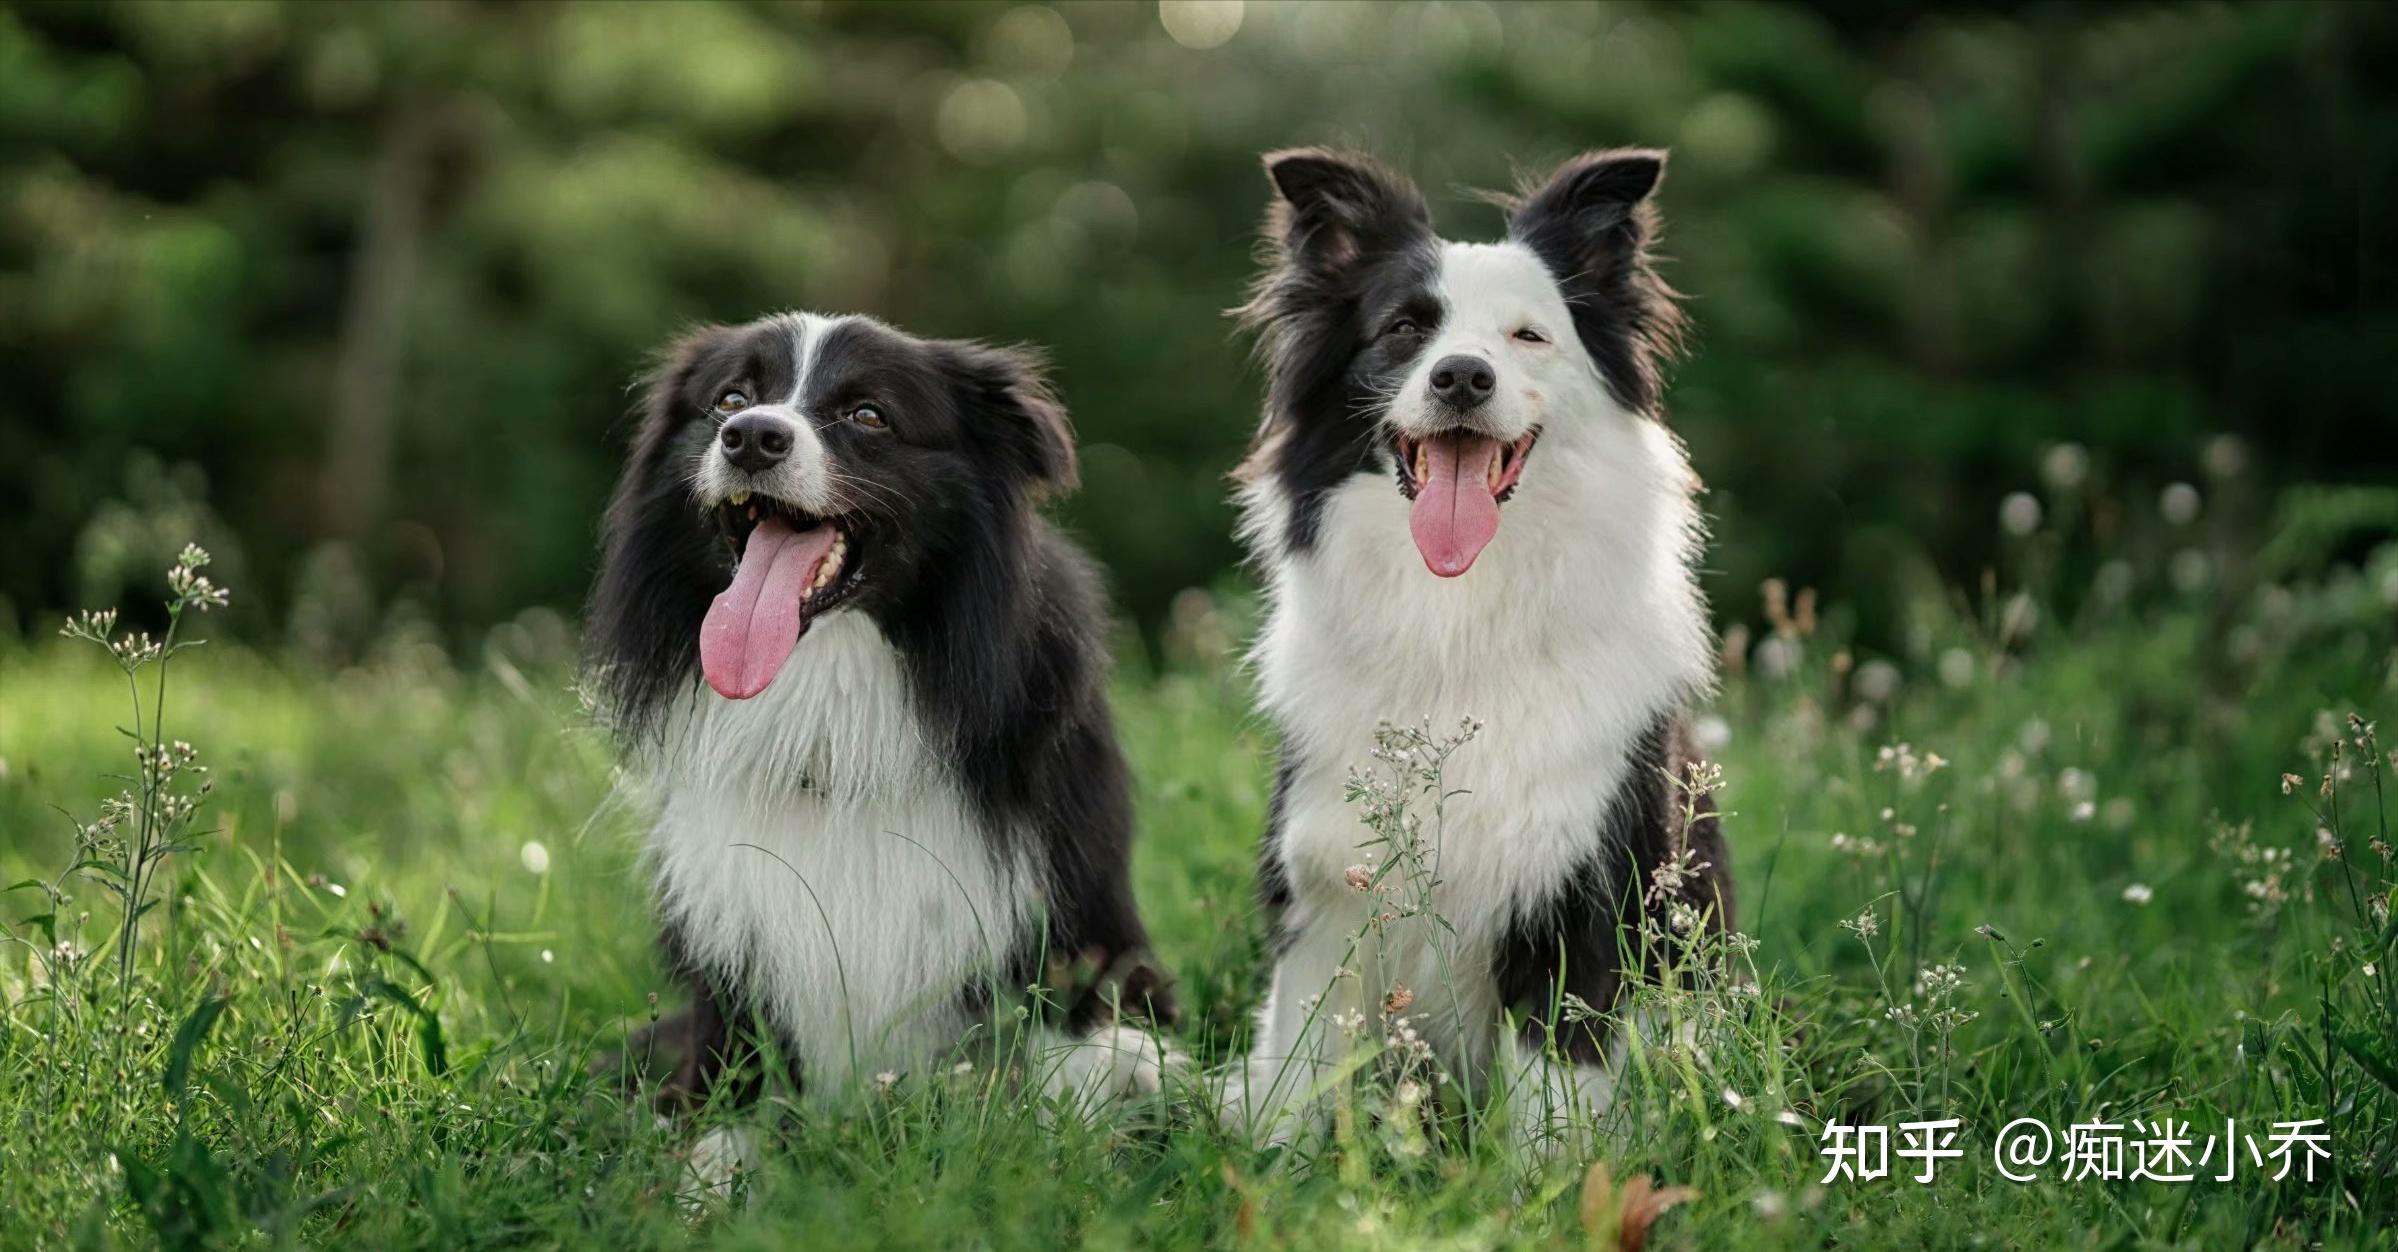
{"points": [[1244, 1218], [1621, 1219], [1643, 1205], [1598, 1199]]}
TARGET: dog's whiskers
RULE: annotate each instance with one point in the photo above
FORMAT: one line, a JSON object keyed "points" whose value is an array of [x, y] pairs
{"points": [[880, 498]]}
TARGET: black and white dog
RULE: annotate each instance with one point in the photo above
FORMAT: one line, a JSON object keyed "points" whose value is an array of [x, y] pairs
{"points": [[1420, 391], [896, 798]]}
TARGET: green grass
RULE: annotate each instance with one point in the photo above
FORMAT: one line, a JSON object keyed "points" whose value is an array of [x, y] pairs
{"points": [[360, 1017]]}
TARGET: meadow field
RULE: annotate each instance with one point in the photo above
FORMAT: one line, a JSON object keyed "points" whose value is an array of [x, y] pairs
{"points": [[2051, 345], [2088, 855]]}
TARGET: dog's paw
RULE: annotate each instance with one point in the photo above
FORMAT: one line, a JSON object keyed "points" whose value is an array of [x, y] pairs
{"points": [[714, 1167], [1113, 1063]]}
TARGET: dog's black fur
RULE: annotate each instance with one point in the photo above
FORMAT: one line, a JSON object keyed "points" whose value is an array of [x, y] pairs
{"points": [[1347, 248], [998, 619], [1603, 926]]}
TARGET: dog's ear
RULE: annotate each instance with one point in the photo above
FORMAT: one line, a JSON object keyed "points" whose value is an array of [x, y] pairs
{"points": [[1591, 222], [1331, 212], [1591, 207], [1332, 208], [1008, 400], [663, 403], [647, 602]]}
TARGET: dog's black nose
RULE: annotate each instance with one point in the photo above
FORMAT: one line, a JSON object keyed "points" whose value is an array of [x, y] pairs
{"points": [[1463, 382], [755, 441]]}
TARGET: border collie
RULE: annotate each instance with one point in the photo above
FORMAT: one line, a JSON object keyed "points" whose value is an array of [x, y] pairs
{"points": [[1420, 393], [860, 680]]}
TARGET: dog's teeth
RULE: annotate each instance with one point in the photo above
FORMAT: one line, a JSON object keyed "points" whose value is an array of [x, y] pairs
{"points": [[753, 512], [1497, 455], [740, 498], [1422, 463], [830, 567]]}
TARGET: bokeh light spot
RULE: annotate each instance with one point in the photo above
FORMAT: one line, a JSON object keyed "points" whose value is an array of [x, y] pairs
{"points": [[1200, 24], [980, 120], [1033, 41]]}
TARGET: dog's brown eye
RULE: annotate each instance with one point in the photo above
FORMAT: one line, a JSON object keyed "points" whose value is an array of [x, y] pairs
{"points": [[868, 416], [1404, 326], [1531, 335], [732, 401]]}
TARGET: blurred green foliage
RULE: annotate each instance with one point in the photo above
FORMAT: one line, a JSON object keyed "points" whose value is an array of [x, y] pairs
{"points": [[352, 293]]}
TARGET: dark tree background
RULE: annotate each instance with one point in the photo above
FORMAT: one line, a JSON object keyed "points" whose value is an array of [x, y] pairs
{"points": [[353, 292]]}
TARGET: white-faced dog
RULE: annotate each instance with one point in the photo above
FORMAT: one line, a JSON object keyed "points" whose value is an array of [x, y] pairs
{"points": [[1466, 505], [860, 682]]}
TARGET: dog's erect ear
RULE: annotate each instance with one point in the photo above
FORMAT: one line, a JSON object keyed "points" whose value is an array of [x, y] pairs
{"points": [[1333, 207], [1008, 400], [1590, 205], [1591, 222]]}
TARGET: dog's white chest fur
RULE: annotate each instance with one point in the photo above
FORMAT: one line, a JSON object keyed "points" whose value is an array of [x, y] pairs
{"points": [[1575, 630], [812, 847]]}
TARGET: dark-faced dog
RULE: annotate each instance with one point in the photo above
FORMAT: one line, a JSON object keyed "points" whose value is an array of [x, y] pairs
{"points": [[858, 680]]}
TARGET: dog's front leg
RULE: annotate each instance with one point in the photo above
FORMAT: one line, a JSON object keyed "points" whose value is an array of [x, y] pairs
{"points": [[695, 1047], [1275, 1095], [701, 1042], [1555, 1098]]}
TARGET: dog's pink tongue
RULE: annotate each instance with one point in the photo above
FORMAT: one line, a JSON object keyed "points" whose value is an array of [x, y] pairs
{"points": [[1455, 513], [752, 627]]}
